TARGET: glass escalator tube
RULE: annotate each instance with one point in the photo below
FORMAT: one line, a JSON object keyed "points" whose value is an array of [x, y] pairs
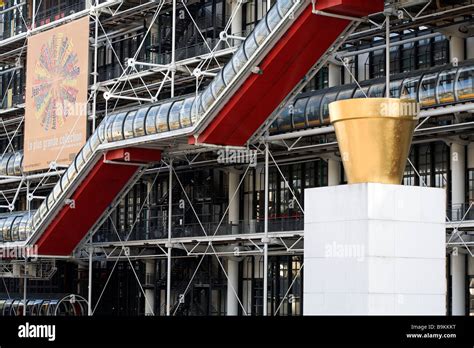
{"points": [[228, 74], [313, 110], [150, 123], [87, 151], [139, 122], [109, 127], [185, 112], [3, 219], [6, 229], [174, 122], [445, 89], [328, 98], [376, 91], [299, 116], [25, 226], [465, 83], [284, 6], [427, 90], [206, 99], [162, 118], [217, 85], [409, 88], [346, 93], [17, 167], [361, 92], [4, 163], [11, 164], [128, 124], [117, 127], [395, 88], [274, 17], [15, 228], [284, 120]]}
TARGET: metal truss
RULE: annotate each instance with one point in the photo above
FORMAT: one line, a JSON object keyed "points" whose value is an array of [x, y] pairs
{"points": [[143, 82], [35, 270]]}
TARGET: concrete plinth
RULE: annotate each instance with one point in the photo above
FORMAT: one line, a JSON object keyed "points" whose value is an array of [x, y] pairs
{"points": [[374, 249]]}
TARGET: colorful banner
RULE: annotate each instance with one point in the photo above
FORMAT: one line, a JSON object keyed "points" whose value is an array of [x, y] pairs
{"points": [[56, 95]]}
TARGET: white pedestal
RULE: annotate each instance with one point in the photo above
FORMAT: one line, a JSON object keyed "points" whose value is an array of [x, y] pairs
{"points": [[374, 249]]}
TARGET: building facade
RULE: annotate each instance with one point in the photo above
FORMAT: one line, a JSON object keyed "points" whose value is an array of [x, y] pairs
{"points": [[236, 244]]}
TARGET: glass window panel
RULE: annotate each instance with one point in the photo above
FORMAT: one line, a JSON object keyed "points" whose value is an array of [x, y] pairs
{"points": [[139, 122], [299, 116], [376, 91], [128, 124], [150, 123], [465, 83], [313, 113], [327, 99], [162, 118], [446, 86], [409, 88], [185, 113], [426, 94], [174, 116]]}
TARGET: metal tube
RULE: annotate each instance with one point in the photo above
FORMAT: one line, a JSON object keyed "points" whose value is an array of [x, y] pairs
{"points": [[392, 44], [89, 288], [173, 49], [170, 211], [33, 15], [94, 102], [265, 245], [387, 55], [25, 282]]}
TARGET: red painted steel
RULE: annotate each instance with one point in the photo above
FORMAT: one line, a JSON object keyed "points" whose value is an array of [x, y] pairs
{"points": [[92, 197], [283, 67]]}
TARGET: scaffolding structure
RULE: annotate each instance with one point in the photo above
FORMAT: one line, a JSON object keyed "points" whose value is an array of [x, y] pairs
{"points": [[142, 80]]}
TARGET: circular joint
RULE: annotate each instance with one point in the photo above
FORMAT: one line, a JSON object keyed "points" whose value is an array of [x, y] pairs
{"points": [[223, 35], [106, 95], [131, 62], [197, 72], [11, 207]]}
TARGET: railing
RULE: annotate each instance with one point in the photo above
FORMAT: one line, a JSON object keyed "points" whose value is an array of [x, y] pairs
{"points": [[57, 12], [156, 228], [462, 211]]}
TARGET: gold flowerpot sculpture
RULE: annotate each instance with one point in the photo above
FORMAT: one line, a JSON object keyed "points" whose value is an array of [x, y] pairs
{"points": [[374, 136]]}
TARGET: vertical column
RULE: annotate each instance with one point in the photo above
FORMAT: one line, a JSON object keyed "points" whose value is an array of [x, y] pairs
{"points": [[265, 238], [458, 194], [458, 269], [334, 75], [456, 49], [470, 48], [169, 246], [458, 183], [234, 212], [362, 59], [458, 283], [232, 264], [236, 27], [334, 172], [150, 287], [232, 286], [89, 288]]}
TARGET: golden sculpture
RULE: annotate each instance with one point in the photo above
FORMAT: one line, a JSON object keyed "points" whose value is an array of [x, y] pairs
{"points": [[374, 136]]}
